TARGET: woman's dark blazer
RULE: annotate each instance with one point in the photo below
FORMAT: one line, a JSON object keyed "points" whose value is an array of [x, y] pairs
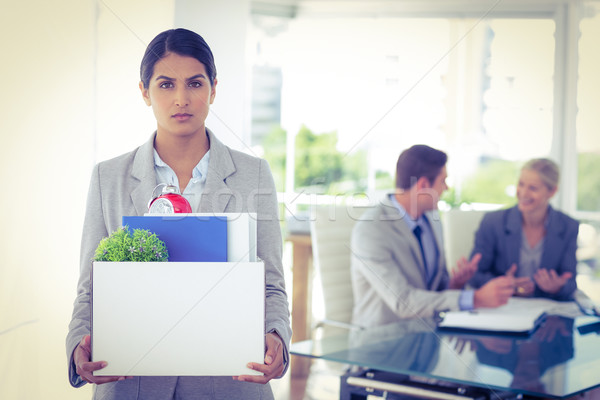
{"points": [[498, 239]]}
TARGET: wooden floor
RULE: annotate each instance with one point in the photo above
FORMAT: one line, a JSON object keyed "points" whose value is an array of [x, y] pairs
{"points": [[322, 383]]}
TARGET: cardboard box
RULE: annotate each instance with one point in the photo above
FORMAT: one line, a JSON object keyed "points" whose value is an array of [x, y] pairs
{"points": [[178, 318]]}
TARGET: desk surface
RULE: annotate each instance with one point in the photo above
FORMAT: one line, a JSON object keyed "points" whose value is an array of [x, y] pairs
{"points": [[560, 359]]}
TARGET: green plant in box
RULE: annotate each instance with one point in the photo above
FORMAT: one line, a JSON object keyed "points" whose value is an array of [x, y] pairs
{"points": [[121, 245]]}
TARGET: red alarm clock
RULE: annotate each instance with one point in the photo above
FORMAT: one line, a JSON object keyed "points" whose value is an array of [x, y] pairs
{"points": [[170, 201]]}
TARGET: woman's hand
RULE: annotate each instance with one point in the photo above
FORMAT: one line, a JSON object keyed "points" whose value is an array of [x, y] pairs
{"points": [[524, 286], [85, 368], [552, 326], [549, 281], [273, 366]]}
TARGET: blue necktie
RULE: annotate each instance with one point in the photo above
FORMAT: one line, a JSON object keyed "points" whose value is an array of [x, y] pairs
{"points": [[417, 231]]}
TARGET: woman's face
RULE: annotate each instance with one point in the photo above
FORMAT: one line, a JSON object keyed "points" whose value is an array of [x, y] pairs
{"points": [[180, 94], [532, 193]]}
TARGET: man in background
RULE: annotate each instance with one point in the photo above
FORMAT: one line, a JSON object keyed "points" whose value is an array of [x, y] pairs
{"points": [[398, 261]]}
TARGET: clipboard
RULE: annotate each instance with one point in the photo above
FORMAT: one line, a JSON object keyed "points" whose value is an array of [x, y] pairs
{"points": [[478, 321], [519, 316]]}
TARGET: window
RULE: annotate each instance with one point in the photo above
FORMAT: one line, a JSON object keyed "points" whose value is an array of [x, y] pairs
{"points": [[588, 117], [483, 86]]}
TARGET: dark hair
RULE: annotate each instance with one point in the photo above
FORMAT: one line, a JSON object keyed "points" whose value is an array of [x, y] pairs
{"points": [[179, 41], [417, 161]]}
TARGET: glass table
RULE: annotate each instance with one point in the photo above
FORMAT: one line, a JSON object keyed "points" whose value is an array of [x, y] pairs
{"points": [[560, 359]]}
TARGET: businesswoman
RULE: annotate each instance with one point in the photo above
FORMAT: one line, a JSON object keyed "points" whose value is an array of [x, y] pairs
{"points": [[531, 240], [178, 80]]}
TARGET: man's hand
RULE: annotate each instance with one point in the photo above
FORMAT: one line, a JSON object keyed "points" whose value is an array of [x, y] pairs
{"points": [[497, 291], [549, 281], [496, 344], [85, 368], [464, 271], [461, 344], [273, 366]]}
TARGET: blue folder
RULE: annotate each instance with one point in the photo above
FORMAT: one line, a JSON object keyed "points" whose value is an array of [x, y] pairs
{"points": [[188, 238]]}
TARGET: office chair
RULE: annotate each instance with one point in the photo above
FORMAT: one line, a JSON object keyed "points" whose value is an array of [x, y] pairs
{"points": [[331, 230], [459, 233]]}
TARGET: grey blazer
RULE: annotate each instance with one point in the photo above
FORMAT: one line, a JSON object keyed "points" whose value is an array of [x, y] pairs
{"points": [[388, 273], [236, 182], [498, 239]]}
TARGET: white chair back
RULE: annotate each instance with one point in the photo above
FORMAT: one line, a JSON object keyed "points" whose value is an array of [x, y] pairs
{"points": [[331, 231], [459, 233]]}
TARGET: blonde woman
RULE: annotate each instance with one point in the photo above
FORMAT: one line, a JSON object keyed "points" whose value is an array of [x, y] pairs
{"points": [[531, 240]]}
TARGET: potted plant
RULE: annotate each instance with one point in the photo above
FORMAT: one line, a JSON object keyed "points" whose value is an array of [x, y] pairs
{"points": [[122, 245]]}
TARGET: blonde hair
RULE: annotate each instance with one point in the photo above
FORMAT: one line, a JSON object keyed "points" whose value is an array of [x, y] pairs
{"points": [[547, 169]]}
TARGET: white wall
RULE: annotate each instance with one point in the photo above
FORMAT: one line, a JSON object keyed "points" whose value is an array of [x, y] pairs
{"points": [[69, 98], [46, 101], [124, 30], [223, 24]]}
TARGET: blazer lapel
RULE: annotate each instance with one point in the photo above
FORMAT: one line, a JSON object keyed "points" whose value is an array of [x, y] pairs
{"points": [[432, 217], [513, 232], [402, 229], [415, 248], [553, 242], [216, 193], [143, 171]]}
